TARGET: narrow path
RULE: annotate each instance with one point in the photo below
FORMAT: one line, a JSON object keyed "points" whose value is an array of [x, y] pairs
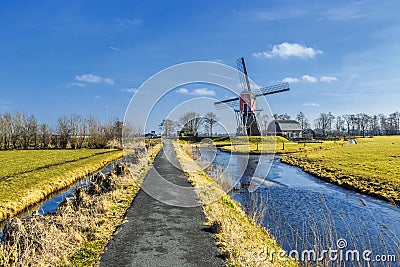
{"points": [[158, 234]]}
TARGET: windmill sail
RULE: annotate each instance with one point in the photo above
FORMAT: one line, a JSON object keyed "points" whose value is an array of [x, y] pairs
{"points": [[232, 103], [269, 90], [274, 89], [245, 105], [244, 78]]}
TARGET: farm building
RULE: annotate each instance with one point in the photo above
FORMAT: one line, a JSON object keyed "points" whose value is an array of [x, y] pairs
{"points": [[287, 128], [308, 134]]}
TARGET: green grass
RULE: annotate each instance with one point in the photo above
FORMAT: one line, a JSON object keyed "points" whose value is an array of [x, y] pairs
{"points": [[17, 161], [29, 185], [270, 144], [372, 166]]}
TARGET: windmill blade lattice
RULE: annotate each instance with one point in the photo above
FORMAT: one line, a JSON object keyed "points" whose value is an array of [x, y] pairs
{"points": [[273, 89], [230, 103], [244, 79]]}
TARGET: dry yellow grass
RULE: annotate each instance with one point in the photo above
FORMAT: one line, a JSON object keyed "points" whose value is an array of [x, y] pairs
{"points": [[239, 238]]}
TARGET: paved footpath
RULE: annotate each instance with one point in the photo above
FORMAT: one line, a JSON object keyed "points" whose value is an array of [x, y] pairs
{"points": [[158, 234]]}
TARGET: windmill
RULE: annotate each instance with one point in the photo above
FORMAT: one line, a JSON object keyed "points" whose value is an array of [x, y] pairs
{"points": [[245, 105]]}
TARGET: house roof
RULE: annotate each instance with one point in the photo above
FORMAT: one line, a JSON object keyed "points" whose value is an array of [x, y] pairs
{"points": [[288, 125]]}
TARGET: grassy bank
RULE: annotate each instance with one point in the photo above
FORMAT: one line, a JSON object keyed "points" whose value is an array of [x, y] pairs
{"points": [[239, 238], [270, 144], [28, 177], [372, 166], [82, 226]]}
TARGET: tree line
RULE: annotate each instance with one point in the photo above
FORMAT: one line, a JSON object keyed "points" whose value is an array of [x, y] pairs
{"points": [[189, 124], [327, 124], [23, 131]]}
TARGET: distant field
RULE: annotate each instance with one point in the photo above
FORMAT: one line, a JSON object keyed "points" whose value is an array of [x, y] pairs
{"points": [[269, 144], [372, 166], [28, 176]]}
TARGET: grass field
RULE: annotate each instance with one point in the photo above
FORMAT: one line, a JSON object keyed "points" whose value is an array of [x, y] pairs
{"points": [[372, 166], [269, 144], [28, 176], [18, 161]]}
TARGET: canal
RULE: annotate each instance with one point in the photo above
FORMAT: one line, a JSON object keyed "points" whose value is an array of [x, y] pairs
{"points": [[304, 213]]}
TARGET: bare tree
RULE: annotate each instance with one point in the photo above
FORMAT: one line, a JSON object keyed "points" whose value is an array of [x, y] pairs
{"points": [[301, 118], [210, 120], [281, 116], [394, 120], [264, 123], [383, 124], [117, 129], [33, 130], [363, 122], [45, 135], [82, 132], [191, 122], [324, 123], [97, 137], [348, 121], [374, 125], [8, 130], [17, 129], [339, 125], [355, 122], [63, 131], [331, 118], [73, 123], [167, 127]]}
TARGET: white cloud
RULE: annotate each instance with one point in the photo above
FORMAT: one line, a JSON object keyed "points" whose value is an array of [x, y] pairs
{"points": [[76, 84], [198, 91], [327, 79], [309, 79], [290, 80], [203, 91], [98, 97], [286, 50], [109, 81], [114, 48], [91, 78], [182, 91], [311, 104], [129, 90]]}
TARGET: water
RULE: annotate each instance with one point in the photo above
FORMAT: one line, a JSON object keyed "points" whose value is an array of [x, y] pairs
{"points": [[50, 205], [305, 213]]}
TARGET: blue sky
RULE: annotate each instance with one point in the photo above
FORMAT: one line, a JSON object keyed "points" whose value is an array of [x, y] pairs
{"points": [[88, 57]]}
